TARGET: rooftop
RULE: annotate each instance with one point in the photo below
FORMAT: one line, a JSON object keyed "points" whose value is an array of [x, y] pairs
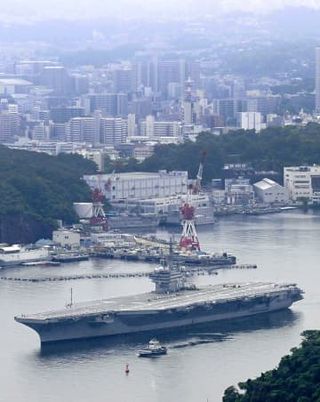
{"points": [[14, 81], [136, 175], [266, 184]]}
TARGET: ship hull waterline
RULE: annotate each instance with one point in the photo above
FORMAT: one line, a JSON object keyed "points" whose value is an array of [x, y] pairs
{"points": [[85, 328]]}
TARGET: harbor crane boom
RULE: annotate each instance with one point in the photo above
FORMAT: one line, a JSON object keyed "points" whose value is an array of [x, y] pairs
{"points": [[197, 186]]}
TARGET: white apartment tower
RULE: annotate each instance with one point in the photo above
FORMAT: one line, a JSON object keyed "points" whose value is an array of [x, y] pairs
{"points": [[317, 80]]}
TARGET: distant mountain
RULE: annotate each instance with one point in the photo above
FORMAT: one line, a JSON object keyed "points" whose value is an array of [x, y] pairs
{"points": [[294, 22], [283, 23]]}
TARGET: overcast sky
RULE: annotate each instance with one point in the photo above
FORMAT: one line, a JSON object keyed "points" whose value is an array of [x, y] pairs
{"points": [[83, 9]]}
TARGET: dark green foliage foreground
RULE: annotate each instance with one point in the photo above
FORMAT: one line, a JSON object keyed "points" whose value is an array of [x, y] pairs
{"points": [[37, 189], [272, 149], [297, 379]]}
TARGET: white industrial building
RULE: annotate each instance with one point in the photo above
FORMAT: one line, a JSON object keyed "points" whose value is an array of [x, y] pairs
{"points": [[303, 182], [66, 238], [270, 192], [139, 185]]}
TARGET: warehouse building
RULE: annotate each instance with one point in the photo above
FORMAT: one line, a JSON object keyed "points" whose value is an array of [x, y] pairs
{"points": [[269, 192], [139, 185]]}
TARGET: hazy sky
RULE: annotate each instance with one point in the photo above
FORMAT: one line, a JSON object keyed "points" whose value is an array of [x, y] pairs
{"points": [[27, 10]]}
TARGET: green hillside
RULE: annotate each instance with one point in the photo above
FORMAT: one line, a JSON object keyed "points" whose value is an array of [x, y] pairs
{"points": [[37, 189], [272, 149], [297, 379]]}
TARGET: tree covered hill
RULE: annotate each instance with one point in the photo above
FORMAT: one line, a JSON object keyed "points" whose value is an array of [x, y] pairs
{"points": [[37, 189], [297, 379], [272, 149]]}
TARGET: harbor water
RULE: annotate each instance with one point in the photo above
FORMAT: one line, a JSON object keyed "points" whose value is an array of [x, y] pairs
{"points": [[200, 362]]}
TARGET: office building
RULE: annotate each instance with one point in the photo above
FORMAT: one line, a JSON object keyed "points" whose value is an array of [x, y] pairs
{"points": [[154, 129], [110, 104], [64, 114], [55, 78], [303, 183]]}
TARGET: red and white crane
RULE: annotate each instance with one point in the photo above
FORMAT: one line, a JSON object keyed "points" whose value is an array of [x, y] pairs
{"points": [[189, 238], [98, 215]]}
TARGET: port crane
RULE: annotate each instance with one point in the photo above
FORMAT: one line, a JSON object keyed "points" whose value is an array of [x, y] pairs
{"points": [[197, 184], [98, 215], [189, 239]]}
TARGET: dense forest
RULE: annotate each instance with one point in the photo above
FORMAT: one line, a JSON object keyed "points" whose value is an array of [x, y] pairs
{"points": [[272, 149], [297, 379], [37, 189]]}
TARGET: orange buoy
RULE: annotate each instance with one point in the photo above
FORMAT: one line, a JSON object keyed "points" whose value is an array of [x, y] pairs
{"points": [[127, 371]]}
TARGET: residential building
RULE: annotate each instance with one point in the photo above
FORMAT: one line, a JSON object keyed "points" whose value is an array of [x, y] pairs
{"points": [[154, 129], [250, 121], [317, 80], [9, 126], [114, 130]]}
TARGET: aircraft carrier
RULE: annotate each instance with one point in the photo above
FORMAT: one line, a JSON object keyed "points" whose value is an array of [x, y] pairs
{"points": [[173, 304]]}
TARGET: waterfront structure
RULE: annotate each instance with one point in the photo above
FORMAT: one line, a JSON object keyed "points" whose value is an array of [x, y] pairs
{"points": [[139, 185], [238, 191], [169, 208], [270, 192], [66, 238], [303, 183]]}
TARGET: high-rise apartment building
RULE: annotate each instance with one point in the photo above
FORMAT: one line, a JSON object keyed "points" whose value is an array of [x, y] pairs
{"points": [[317, 105], [250, 121], [84, 129], [9, 126], [110, 104], [113, 131]]}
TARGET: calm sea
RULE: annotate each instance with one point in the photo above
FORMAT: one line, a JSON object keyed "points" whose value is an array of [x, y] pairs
{"points": [[199, 365]]}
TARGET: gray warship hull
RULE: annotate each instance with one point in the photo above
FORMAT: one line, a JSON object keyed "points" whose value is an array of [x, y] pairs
{"points": [[151, 312]]}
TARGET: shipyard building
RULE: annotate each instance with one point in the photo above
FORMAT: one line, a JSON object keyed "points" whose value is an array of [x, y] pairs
{"points": [[303, 183], [139, 185], [270, 192]]}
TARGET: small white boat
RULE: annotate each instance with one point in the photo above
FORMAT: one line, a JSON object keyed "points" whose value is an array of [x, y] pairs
{"points": [[154, 349]]}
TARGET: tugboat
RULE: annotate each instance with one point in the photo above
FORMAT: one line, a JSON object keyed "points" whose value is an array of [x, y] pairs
{"points": [[154, 349]]}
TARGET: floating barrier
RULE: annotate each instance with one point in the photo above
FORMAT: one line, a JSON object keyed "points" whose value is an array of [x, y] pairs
{"points": [[119, 275]]}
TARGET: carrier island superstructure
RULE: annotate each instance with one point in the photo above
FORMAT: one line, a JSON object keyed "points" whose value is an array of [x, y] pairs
{"points": [[173, 304]]}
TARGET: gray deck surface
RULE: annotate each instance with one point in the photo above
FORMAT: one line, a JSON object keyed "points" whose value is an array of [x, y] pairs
{"points": [[148, 302]]}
